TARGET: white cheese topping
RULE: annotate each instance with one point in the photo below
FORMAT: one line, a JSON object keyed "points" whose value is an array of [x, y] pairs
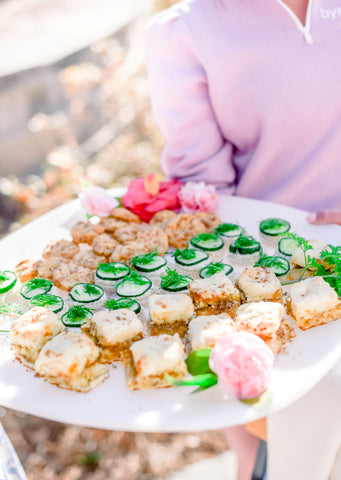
{"points": [[260, 318], [298, 255], [66, 355], [312, 296], [116, 326], [258, 283], [159, 354], [216, 284], [170, 308], [34, 327], [205, 330]]}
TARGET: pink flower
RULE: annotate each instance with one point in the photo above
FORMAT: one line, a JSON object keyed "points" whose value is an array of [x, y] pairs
{"points": [[198, 197], [146, 196], [243, 363], [97, 201]]}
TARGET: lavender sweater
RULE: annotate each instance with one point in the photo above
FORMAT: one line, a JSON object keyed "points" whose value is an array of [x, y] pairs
{"points": [[249, 99]]}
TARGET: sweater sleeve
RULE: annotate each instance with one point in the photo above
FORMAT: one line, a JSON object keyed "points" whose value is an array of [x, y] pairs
{"points": [[195, 148]]}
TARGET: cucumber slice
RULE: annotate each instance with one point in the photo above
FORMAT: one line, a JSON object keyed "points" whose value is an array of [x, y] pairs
{"points": [[279, 265], [287, 246], [7, 280], [133, 286], [35, 286], [174, 282], [113, 304], [76, 316], [214, 268], [208, 241], [245, 245], [86, 293], [51, 302], [274, 226], [151, 262], [188, 257], [229, 230], [112, 271]]}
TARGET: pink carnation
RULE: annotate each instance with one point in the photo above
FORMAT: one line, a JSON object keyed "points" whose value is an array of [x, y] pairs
{"points": [[97, 201], [243, 363], [146, 196], [198, 197]]}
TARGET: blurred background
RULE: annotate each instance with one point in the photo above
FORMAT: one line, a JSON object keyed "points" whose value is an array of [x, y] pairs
{"points": [[74, 106]]}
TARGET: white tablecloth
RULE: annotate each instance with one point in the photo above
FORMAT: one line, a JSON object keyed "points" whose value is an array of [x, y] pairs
{"points": [[304, 439], [10, 466]]}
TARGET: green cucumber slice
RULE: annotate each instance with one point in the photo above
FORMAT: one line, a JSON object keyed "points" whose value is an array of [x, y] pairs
{"points": [[208, 241], [229, 230], [86, 293], [35, 286], [133, 286], [112, 271], [245, 245], [151, 262], [172, 281], [274, 226], [76, 316], [113, 304], [188, 257], [279, 265], [287, 246], [214, 268], [52, 302], [7, 280]]}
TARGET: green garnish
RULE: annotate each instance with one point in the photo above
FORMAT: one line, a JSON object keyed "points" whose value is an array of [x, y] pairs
{"points": [[172, 280], [112, 267], [137, 279], [327, 266], [214, 268], [186, 253], [144, 259], [90, 289], [113, 304], [76, 316], [11, 309]]}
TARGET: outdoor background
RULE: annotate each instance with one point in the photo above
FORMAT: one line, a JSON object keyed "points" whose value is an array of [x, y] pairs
{"points": [[74, 107]]}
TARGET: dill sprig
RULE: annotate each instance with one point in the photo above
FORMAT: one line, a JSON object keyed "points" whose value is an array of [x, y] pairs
{"points": [[186, 253], [214, 268], [78, 311], [144, 259], [172, 278], [136, 278]]}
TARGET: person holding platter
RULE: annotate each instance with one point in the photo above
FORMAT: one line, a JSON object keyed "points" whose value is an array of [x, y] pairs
{"points": [[248, 97]]}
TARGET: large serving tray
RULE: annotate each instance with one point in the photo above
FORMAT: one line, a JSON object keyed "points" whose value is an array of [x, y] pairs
{"points": [[111, 405]]}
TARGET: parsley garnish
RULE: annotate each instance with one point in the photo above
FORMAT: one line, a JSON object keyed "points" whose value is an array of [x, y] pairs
{"points": [[11, 310]]}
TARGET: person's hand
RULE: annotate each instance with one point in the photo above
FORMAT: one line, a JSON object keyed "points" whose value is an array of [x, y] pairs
{"points": [[323, 217]]}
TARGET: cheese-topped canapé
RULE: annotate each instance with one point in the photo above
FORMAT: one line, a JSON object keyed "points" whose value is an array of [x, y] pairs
{"points": [[170, 308], [32, 330], [260, 318], [259, 283], [205, 330], [315, 252], [159, 354], [69, 361], [117, 326], [311, 296], [212, 290]]}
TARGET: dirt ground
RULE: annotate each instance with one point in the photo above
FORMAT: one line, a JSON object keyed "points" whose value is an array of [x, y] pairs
{"points": [[50, 450]]}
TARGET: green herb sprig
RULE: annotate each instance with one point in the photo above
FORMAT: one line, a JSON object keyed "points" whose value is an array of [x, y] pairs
{"points": [[172, 278], [10, 310]]}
